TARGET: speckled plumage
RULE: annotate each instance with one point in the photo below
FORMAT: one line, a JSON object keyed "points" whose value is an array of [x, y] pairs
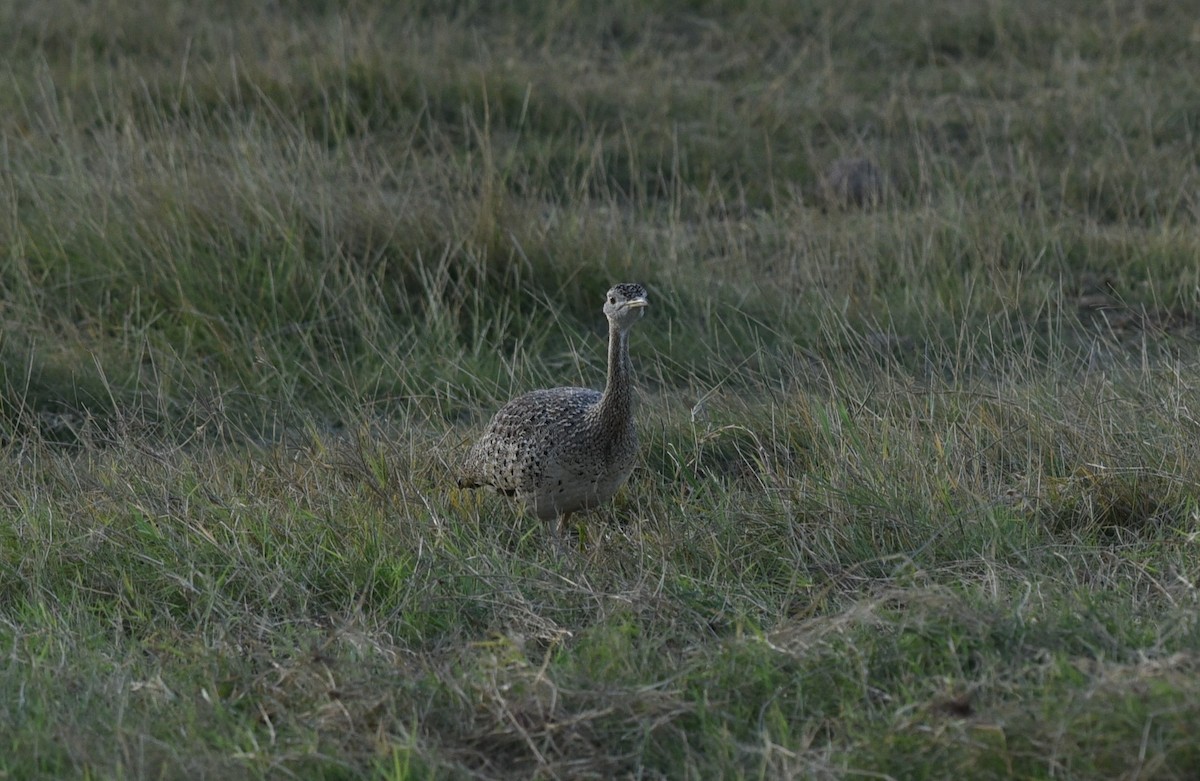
{"points": [[566, 449]]}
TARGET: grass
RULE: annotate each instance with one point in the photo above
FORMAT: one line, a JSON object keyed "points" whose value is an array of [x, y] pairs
{"points": [[918, 487]]}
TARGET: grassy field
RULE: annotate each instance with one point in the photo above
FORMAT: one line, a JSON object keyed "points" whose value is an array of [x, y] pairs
{"points": [[919, 492]]}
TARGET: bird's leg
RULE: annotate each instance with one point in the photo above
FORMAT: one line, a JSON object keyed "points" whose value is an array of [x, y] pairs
{"points": [[560, 525]]}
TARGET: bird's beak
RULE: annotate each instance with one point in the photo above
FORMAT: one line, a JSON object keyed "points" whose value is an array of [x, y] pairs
{"points": [[637, 303]]}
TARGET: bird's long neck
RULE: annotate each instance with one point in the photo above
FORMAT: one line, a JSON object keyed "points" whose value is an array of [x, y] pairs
{"points": [[618, 395]]}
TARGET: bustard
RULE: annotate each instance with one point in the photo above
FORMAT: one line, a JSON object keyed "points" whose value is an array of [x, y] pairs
{"points": [[565, 449]]}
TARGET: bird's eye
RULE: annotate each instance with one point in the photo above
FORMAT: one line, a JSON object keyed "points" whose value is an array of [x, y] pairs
{"points": [[612, 299]]}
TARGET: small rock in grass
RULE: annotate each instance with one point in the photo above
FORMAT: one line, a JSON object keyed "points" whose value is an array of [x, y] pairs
{"points": [[854, 181]]}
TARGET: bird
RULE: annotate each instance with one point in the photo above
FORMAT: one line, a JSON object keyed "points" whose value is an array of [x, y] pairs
{"points": [[562, 450]]}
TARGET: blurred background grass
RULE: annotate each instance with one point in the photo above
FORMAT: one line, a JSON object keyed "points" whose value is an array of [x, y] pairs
{"points": [[297, 203]]}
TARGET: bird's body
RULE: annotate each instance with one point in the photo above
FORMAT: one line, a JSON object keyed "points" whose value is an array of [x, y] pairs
{"points": [[566, 449]]}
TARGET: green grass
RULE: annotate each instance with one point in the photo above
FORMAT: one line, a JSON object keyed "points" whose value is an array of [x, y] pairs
{"points": [[918, 494]]}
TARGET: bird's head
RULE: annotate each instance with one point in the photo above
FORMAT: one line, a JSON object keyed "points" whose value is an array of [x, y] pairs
{"points": [[625, 304]]}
